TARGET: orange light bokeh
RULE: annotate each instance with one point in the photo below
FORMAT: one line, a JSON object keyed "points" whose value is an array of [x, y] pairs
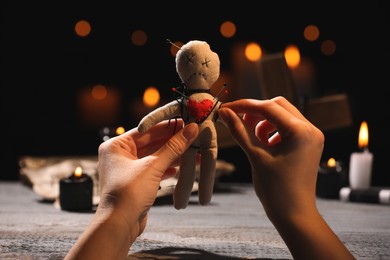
{"points": [[99, 92], [175, 47], [82, 28], [292, 56], [328, 47], [151, 97], [99, 105], [120, 130], [311, 33], [228, 29], [139, 38], [331, 162], [253, 51]]}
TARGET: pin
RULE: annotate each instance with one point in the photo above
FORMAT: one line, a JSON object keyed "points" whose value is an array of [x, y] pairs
{"points": [[181, 94], [224, 86], [169, 41]]}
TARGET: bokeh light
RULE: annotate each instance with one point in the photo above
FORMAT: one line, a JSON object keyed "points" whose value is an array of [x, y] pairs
{"points": [[253, 51], [139, 38], [311, 33], [175, 47], [99, 92], [292, 56], [82, 28], [228, 29], [328, 47], [120, 130], [151, 97]]}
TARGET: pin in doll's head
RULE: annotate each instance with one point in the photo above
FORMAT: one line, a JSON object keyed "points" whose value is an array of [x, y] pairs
{"points": [[197, 65]]}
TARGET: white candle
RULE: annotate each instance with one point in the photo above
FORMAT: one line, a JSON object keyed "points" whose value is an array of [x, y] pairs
{"points": [[360, 165]]}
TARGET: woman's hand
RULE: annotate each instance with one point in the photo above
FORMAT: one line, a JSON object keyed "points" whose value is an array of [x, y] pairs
{"points": [[130, 168], [284, 150]]}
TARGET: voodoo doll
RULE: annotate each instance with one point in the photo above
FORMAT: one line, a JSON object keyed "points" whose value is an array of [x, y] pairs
{"points": [[198, 68]]}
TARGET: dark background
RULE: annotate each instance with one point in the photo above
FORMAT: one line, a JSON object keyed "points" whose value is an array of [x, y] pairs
{"points": [[44, 66]]}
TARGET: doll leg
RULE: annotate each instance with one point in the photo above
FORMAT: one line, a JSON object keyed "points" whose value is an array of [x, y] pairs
{"points": [[207, 174], [208, 151], [186, 179]]}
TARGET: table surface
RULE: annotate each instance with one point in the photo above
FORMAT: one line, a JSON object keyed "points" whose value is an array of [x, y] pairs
{"points": [[233, 226]]}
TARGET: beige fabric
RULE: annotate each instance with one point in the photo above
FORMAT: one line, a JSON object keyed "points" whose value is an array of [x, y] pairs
{"points": [[43, 175]]}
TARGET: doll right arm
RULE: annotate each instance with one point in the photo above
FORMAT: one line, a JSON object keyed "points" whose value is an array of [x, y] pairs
{"points": [[168, 111]]}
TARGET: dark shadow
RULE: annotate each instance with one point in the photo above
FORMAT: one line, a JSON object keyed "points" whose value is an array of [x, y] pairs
{"points": [[218, 188], [168, 200], [180, 253], [221, 187], [88, 211], [51, 202], [45, 201], [164, 200]]}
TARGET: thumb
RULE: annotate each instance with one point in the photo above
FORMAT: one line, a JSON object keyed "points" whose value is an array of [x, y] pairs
{"points": [[237, 128], [175, 147]]}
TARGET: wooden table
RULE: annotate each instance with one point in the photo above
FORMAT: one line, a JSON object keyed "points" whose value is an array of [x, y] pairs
{"points": [[233, 226]]}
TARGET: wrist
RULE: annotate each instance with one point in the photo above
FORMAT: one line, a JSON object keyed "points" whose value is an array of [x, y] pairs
{"points": [[96, 241], [290, 207], [112, 215], [308, 236]]}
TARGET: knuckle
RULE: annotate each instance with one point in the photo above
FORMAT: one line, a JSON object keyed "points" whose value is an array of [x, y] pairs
{"points": [[176, 146]]}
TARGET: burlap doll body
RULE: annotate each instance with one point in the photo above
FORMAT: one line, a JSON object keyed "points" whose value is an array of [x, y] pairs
{"points": [[198, 68]]}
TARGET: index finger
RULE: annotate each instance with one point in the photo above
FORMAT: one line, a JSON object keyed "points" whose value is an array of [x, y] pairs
{"points": [[267, 109], [156, 134], [250, 106]]}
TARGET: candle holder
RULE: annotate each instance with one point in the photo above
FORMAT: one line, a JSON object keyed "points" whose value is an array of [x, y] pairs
{"points": [[76, 192], [330, 179]]}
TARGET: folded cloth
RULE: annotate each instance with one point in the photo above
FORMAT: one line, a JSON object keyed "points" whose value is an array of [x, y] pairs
{"points": [[43, 175]]}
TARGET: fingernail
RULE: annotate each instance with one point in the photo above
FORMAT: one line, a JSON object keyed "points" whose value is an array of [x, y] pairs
{"points": [[190, 131]]}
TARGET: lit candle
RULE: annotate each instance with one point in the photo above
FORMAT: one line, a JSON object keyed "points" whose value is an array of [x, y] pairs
{"points": [[360, 165], [76, 191], [330, 178]]}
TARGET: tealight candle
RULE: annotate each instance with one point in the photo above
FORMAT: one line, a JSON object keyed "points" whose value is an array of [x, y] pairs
{"points": [[360, 165], [330, 179], [76, 192]]}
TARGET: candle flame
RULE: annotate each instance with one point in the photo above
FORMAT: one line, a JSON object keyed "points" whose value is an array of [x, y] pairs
{"points": [[363, 135], [78, 172], [331, 162]]}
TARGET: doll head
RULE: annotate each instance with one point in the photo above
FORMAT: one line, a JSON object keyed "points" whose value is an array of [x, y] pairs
{"points": [[197, 65]]}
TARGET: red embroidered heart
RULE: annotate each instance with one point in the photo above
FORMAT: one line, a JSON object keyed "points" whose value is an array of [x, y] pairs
{"points": [[199, 110]]}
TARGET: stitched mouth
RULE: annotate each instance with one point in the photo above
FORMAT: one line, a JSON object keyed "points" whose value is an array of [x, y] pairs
{"points": [[197, 75]]}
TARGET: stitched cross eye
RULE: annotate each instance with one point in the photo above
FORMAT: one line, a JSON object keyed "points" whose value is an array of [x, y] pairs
{"points": [[189, 57], [206, 62]]}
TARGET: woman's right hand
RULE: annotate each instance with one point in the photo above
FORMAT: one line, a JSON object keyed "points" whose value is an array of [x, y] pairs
{"points": [[284, 166], [284, 150]]}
